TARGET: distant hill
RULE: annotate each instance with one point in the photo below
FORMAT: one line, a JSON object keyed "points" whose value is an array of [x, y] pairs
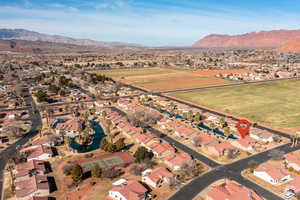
{"points": [[292, 45], [263, 39], [22, 34], [38, 47]]}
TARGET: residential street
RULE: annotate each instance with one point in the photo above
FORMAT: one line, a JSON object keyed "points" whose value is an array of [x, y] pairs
{"points": [[189, 191], [218, 171], [5, 155]]}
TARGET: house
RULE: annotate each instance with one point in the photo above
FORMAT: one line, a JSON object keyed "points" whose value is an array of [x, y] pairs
{"points": [[124, 103], [29, 168], [183, 108], [221, 149], [272, 174], [156, 177], [129, 190], [89, 105], [185, 132], [170, 125], [292, 161], [294, 185], [161, 149], [13, 115], [145, 138], [57, 109], [230, 190], [50, 140], [36, 185], [71, 127], [101, 103], [163, 121], [175, 161], [245, 144], [132, 131], [39, 198], [264, 136], [37, 152], [203, 140]]}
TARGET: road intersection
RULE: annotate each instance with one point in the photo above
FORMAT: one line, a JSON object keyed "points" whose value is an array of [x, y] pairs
{"points": [[189, 191]]}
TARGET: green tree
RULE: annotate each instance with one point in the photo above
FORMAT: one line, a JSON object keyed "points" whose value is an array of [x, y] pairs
{"points": [[223, 123], [41, 96], [197, 117], [120, 144], [96, 171], [111, 148], [190, 115], [227, 132], [109, 130], [53, 88], [62, 93], [141, 154], [77, 173], [104, 144]]}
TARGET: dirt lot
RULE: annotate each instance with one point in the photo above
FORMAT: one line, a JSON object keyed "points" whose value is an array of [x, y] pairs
{"points": [[216, 72], [161, 79]]}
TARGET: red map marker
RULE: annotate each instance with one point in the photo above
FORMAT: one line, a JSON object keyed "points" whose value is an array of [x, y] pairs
{"points": [[243, 127]]}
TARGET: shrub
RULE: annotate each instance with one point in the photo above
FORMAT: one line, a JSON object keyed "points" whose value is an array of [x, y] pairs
{"points": [[67, 169]]}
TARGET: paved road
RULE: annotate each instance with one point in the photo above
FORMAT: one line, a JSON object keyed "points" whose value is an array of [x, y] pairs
{"points": [[230, 171], [190, 190], [177, 144], [5, 155]]}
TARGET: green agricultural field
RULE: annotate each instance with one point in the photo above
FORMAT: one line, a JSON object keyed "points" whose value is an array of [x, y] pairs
{"points": [[276, 104]]}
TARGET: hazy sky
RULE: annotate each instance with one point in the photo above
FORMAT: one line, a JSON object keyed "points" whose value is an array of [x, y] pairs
{"points": [[149, 22]]}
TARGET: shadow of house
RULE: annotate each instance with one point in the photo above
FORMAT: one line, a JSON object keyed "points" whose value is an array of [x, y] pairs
{"points": [[55, 152], [48, 167], [52, 184]]}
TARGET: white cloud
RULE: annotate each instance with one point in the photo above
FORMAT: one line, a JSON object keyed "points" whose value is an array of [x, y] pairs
{"points": [[151, 27]]}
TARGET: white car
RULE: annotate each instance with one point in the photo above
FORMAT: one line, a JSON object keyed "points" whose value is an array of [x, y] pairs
{"points": [[288, 194]]}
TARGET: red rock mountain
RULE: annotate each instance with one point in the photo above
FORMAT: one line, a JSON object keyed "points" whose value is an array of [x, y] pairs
{"points": [[268, 39], [291, 46]]}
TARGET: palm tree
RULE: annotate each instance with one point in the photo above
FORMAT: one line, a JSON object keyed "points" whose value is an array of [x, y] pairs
{"points": [[109, 128], [49, 113], [68, 141], [62, 135], [295, 138], [227, 132], [212, 125], [10, 168]]}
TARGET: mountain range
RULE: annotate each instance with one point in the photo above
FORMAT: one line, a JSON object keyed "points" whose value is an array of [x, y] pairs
{"points": [[281, 40], [26, 35], [19, 40]]}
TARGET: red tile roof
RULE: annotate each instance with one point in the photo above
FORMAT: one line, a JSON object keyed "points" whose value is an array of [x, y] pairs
{"points": [[24, 168], [31, 185], [73, 124], [294, 185], [37, 150], [293, 158], [180, 159], [162, 147], [131, 190], [158, 174], [232, 191], [185, 131], [276, 172]]}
